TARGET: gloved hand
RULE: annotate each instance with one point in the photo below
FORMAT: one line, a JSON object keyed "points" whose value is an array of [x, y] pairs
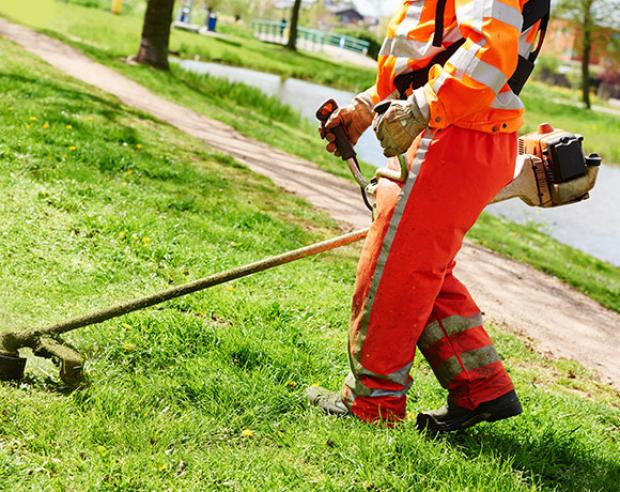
{"points": [[403, 121], [355, 119]]}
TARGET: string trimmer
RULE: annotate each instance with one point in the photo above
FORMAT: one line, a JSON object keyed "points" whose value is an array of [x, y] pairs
{"points": [[551, 171]]}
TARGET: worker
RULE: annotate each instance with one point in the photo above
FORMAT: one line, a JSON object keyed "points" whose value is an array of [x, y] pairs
{"points": [[451, 69]]}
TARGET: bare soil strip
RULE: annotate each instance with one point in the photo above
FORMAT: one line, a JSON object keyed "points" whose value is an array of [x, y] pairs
{"points": [[561, 320]]}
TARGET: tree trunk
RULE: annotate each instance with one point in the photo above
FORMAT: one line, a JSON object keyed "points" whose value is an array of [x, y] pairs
{"points": [[292, 33], [156, 34], [585, 54]]}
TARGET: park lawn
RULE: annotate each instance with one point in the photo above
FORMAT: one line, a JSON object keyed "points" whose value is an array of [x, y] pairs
{"points": [[111, 38], [267, 120], [100, 203], [119, 36]]}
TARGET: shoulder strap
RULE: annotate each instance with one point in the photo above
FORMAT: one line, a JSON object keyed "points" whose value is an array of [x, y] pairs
{"points": [[439, 13], [535, 10]]}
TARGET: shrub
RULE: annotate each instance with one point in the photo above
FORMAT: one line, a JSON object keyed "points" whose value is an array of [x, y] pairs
{"points": [[375, 42]]}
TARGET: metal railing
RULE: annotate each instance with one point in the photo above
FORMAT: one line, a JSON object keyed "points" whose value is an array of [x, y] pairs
{"points": [[277, 32]]}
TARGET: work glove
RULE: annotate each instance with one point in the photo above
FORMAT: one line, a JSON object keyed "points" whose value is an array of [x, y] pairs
{"points": [[401, 123], [355, 118]]}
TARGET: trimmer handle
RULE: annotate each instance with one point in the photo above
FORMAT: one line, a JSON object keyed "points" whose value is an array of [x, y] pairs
{"points": [[342, 142]]}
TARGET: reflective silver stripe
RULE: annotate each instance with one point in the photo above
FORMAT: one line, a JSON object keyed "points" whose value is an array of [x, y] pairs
{"points": [[386, 47], [467, 63], [414, 11], [360, 389], [479, 357], [438, 84], [401, 376], [507, 100], [469, 361], [452, 325], [525, 47], [425, 142], [508, 15], [447, 371], [409, 48], [401, 65], [475, 12]]}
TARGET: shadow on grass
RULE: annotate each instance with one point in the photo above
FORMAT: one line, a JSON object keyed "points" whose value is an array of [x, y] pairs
{"points": [[553, 458], [114, 108]]}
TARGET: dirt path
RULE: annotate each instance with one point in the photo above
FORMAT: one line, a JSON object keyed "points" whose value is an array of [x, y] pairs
{"points": [[559, 319]]}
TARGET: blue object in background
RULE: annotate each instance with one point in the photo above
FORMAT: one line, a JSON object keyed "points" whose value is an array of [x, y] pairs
{"points": [[211, 22]]}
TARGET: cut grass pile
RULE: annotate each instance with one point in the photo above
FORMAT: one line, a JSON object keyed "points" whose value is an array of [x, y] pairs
{"points": [[101, 203]]}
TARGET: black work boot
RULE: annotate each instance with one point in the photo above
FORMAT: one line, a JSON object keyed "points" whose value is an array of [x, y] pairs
{"points": [[328, 401], [452, 417]]}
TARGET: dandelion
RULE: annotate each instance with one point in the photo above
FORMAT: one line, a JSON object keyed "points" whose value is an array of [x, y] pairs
{"points": [[129, 347], [45, 125], [247, 433], [291, 384], [230, 288], [315, 385], [163, 468], [68, 126], [72, 148], [139, 146], [146, 240], [27, 126], [33, 118]]}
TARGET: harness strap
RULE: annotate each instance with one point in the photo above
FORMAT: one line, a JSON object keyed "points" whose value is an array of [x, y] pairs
{"points": [[533, 11], [439, 14]]}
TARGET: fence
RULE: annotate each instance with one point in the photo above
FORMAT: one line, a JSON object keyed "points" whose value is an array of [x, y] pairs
{"points": [[313, 39]]}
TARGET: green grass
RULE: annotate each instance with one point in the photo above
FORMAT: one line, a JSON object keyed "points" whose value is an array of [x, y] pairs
{"points": [[557, 106], [100, 203], [267, 120], [108, 39], [119, 36]]}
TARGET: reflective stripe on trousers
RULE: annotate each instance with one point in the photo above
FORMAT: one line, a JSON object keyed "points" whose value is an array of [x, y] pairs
{"points": [[405, 283]]}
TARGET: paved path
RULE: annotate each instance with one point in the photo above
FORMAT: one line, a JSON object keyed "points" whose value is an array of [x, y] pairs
{"points": [[561, 320]]}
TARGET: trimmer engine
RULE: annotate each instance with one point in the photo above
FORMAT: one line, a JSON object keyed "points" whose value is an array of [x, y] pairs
{"points": [[552, 169]]}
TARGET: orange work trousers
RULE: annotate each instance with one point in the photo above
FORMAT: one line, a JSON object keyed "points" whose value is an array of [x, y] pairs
{"points": [[406, 293]]}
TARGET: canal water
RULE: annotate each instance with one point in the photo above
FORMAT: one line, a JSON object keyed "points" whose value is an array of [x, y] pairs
{"points": [[592, 225]]}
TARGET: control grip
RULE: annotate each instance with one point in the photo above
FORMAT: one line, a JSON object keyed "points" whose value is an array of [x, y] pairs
{"points": [[343, 145]]}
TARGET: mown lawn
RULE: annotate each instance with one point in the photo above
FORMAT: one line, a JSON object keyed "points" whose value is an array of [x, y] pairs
{"points": [[267, 120], [100, 203]]}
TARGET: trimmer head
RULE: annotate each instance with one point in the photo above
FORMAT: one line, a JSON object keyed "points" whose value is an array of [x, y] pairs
{"points": [[68, 360], [11, 367]]}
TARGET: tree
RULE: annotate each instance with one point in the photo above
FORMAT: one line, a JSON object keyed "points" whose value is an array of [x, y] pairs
{"points": [[292, 36], [587, 15], [156, 34], [239, 8], [212, 5]]}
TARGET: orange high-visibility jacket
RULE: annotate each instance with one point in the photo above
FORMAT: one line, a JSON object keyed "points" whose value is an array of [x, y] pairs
{"points": [[470, 90]]}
